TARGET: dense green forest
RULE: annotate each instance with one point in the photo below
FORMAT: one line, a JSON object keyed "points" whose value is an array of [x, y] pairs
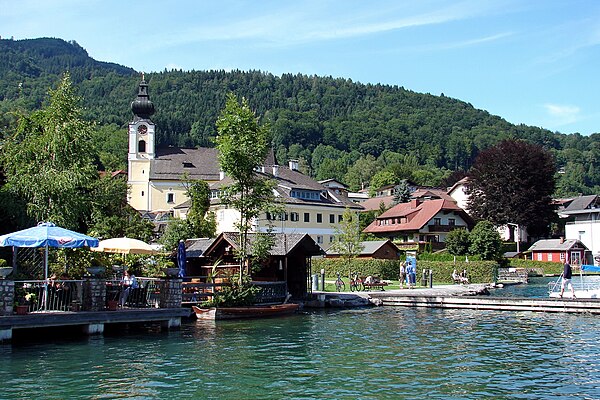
{"points": [[337, 128]]}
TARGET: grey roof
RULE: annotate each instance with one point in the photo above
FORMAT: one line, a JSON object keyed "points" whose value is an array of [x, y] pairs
{"points": [[556, 244], [583, 203], [196, 247], [171, 163], [284, 243], [368, 247], [288, 180]]}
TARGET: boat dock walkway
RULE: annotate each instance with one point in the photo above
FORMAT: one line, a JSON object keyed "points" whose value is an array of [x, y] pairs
{"points": [[457, 297], [91, 322]]}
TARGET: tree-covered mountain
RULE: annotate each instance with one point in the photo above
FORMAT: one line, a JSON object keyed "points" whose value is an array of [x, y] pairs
{"points": [[335, 127]]}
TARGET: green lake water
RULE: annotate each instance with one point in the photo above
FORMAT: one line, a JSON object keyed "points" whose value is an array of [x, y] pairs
{"points": [[376, 353]]}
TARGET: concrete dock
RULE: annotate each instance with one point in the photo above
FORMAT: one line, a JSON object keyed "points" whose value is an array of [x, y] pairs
{"points": [[457, 297]]}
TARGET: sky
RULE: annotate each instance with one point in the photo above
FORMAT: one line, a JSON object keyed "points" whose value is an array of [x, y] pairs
{"points": [[535, 62]]}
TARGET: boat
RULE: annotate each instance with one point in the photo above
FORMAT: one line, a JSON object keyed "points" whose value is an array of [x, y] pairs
{"points": [[584, 289], [258, 311]]}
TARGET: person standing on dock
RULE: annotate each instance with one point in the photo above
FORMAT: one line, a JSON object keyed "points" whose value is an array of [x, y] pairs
{"points": [[402, 277], [128, 282], [566, 279]]}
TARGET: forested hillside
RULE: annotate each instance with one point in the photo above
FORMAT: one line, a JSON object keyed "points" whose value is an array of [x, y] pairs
{"points": [[337, 128]]}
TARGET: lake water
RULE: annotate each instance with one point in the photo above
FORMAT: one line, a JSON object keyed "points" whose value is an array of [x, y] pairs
{"points": [[376, 353]]}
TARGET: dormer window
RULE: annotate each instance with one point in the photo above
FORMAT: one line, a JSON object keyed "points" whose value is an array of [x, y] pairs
{"points": [[187, 164]]}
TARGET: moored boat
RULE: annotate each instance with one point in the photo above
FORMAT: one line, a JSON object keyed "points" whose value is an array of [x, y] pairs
{"points": [[214, 313], [584, 289]]}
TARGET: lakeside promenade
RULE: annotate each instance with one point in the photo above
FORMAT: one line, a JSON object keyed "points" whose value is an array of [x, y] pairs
{"points": [[473, 296]]}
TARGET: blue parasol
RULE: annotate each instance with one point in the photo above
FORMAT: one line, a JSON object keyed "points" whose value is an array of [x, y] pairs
{"points": [[181, 258], [46, 234]]}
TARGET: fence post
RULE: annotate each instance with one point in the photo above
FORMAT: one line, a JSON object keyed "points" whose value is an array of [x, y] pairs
{"points": [[94, 294], [7, 296]]}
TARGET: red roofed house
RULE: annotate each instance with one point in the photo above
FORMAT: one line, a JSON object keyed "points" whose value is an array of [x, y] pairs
{"points": [[557, 250], [420, 221]]}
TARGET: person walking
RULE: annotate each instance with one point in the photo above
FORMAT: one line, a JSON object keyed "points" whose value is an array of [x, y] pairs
{"points": [[566, 280]]}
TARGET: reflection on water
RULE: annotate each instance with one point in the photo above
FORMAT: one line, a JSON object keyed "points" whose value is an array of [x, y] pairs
{"points": [[348, 354]]}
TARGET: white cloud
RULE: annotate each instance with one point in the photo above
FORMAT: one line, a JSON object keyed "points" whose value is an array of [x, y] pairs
{"points": [[563, 114], [315, 22]]}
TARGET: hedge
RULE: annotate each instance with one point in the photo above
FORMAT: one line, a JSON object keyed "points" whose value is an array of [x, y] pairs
{"points": [[478, 271], [538, 267]]}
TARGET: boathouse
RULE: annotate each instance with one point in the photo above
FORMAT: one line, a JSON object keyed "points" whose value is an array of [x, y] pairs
{"points": [[288, 266], [559, 250]]}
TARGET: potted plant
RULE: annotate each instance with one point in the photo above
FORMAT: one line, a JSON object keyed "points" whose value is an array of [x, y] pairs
{"points": [[24, 301]]}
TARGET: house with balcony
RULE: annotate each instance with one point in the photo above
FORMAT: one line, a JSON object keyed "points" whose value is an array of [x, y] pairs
{"points": [[420, 221], [582, 217]]}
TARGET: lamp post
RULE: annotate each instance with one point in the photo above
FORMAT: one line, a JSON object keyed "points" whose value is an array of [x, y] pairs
{"points": [[517, 235]]}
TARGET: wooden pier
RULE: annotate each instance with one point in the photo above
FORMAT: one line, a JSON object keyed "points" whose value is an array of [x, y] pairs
{"points": [[92, 322], [490, 303]]}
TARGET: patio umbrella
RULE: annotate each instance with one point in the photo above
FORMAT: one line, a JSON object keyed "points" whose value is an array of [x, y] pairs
{"points": [[46, 235], [181, 258], [124, 246]]}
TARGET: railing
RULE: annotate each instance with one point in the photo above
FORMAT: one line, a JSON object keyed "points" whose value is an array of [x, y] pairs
{"points": [[270, 292], [147, 294], [67, 295], [443, 228], [57, 295]]}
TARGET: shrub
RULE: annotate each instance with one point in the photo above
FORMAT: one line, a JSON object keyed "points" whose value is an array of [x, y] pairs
{"points": [[477, 271], [538, 267]]}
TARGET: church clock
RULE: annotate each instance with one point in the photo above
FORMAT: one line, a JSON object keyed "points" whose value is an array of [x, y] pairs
{"points": [[142, 129]]}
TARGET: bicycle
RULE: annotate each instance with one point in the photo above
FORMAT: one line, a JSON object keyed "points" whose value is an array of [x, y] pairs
{"points": [[355, 282], [339, 283]]}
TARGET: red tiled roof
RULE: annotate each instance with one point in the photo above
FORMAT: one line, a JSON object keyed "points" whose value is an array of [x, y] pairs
{"points": [[417, 215]]}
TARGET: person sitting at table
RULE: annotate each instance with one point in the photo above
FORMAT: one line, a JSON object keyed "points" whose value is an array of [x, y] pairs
{"points": [[65, 290], [128, 282]]}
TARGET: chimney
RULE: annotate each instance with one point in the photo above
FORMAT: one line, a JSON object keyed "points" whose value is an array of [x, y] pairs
{"points": [[562, 239], [276, 170], [414, 203], [221, 175], [293, 165]]}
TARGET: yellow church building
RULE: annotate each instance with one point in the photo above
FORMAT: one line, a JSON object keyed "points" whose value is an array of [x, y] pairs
{"points": [[156, 183]]}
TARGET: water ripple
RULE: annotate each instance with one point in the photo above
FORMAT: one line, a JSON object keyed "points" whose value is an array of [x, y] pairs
{"points": [[346, 354]]}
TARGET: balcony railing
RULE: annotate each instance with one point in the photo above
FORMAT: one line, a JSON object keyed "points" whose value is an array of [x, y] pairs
{"points": [[444, 228]]}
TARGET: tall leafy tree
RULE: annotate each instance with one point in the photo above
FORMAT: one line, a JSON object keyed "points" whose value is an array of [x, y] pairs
{"points": [[348, 237], [458, 242], [200, 222], [513, 182], [243, 145], [485, 241], [111, 216], [203, 223], [50, 161]]}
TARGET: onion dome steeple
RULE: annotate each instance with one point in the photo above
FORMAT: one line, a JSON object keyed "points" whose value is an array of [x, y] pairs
{"points": [[142, 107]]}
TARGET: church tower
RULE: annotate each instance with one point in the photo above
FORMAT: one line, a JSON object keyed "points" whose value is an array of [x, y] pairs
{"points": [[141, 149]]}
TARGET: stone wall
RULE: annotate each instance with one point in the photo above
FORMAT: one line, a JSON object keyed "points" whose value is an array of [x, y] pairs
{"points": [[7, 296], [94, 294], [170, 293]]}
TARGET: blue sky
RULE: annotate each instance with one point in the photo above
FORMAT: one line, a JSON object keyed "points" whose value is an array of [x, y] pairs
{"points": [[535, 62]]}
